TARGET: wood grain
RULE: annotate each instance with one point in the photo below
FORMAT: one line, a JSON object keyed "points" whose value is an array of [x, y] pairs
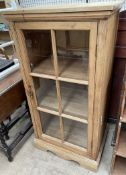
{"points": [[120, 166], [11, 98], [76, 92], [74, 69], [121, 149], [72, 8], [74, 98], [103, 74], [10, 81]]}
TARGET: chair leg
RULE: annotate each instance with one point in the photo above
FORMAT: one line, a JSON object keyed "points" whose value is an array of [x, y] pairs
{"points": [[5, 147], [5, 130]]}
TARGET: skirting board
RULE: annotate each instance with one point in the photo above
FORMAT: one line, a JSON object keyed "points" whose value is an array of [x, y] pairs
{"points": [[69, 155]]}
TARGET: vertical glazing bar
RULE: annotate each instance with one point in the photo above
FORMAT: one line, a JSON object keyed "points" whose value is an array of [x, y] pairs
{"points": [[55, 59]]}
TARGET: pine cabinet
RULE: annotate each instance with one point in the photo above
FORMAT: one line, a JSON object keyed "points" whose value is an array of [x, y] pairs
{"points": [[66, 62]]}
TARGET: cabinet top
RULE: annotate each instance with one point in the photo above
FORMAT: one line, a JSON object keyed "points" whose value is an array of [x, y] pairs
{"points": [[98, 9]]}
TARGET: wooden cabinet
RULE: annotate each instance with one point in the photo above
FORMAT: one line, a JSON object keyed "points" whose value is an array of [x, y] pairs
{"points": [[119, 153], [118, 68], [66, 61]]}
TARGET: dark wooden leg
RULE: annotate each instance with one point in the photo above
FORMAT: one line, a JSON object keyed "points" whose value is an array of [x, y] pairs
{"points": [[5, 130], [5, 147], [9, 118], [23, 134], [27, 107]]}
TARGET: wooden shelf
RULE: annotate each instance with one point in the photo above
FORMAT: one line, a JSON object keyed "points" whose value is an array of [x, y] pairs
{"points": [[74, 100], [120, 166], [51, 125], [44, 69], [70, 70], [49, 99], [75, 133], [46, 93], [121, 151], [73, 70]]}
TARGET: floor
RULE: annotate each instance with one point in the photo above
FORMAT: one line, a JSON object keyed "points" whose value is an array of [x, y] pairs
{"points": [[31, 161]]}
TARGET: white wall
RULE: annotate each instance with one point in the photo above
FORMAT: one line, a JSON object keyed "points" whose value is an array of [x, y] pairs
{"points": [[29, 3]]}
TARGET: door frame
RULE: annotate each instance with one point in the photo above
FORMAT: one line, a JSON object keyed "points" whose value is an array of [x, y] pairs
{"points": [[52, 26]]}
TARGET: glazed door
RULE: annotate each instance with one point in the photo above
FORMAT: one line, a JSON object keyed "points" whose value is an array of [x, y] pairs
{"points": [[58, 62]]}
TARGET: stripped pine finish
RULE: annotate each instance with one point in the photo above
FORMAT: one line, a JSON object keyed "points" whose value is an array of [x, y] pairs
{"points": [[66, 62]]}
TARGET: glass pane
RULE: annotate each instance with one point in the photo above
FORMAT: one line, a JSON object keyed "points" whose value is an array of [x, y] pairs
{"points": [[75, 132], [46, 93], [39, 49], [50, 125], [74, 99], [73, 54]]}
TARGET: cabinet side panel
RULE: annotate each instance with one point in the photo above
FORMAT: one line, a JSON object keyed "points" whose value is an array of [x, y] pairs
{"points": [[105, 49], [27, 82]]}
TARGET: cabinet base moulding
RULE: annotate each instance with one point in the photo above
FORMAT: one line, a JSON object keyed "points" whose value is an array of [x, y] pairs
{"points": [[72, 156]]}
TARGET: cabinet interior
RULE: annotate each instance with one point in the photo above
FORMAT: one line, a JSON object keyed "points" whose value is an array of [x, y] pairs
{"points": [[59, 68], [73, 52], [72, 55], [72, 133], [39, 48], [120, 166]]}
